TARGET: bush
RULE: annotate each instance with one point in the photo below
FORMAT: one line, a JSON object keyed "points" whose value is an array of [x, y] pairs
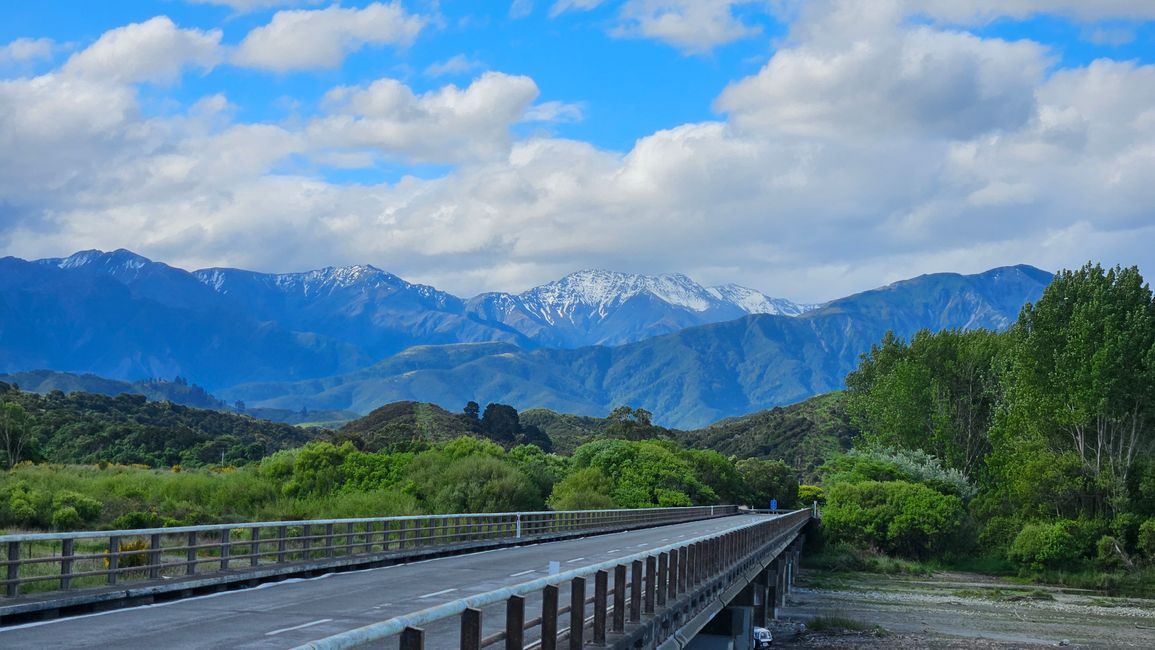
{"points": [[808, 494], [1041, 546], [908, 519], [1147, 539], [1109, 553], [66, 518]]}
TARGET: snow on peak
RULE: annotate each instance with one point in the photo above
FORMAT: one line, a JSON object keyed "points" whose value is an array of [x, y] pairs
{"points": [[756, 302], [118, 259], [602, 289]]}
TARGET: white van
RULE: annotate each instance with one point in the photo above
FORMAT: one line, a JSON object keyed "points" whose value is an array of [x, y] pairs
{"points": [[762, 638]]}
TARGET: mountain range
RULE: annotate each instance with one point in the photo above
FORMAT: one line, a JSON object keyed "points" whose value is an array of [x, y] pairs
{"points": [[353, 338]]}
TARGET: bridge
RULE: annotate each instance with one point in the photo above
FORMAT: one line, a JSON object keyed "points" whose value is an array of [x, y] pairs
{"points": [[668, 578]]}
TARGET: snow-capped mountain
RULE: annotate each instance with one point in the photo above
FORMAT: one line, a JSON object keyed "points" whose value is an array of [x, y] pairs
{"points": [[595, 307]]}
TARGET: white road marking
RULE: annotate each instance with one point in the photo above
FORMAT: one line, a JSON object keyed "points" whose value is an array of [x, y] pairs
{"points": [[298, 627], [522, 573], [644, 544], [437, 593], [382, 605], [616, 550], [576, 559]]}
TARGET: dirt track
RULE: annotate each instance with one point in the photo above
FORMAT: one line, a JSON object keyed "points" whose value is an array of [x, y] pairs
{"points": [[961, 611]]}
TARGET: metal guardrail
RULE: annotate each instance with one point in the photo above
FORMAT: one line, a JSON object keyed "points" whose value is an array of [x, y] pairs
{"points": [[38, 562], [684, 575]]}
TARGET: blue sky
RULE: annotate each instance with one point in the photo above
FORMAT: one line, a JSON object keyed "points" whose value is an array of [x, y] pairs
{"points": [[806, 149]]}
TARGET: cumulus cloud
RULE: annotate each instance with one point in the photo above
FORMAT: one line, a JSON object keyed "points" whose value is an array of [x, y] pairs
{"points": [[322, 38], [155, 50], [869, 148], [693, 26], [447, 124], [23, 50], [555, 112]]}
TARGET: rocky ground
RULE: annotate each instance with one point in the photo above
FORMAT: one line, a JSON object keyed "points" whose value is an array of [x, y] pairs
{"points": [[954, 610]]}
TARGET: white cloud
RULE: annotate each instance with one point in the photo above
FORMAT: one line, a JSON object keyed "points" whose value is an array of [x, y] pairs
{"points": [[555, 112], [448, 124], [455, 65], [317, 39], [155, 50], [693, 26], [520, 9], [24, 50], [561, 6]]}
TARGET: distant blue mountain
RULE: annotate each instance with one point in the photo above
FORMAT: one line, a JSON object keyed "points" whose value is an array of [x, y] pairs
{"points": [[356, 337]]}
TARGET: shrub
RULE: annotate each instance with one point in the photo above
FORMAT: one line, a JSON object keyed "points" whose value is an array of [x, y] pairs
{"points": [[1041, 546], [808, 494], [66, 518], [897, 517], [1109, 553], [1147, 539]]}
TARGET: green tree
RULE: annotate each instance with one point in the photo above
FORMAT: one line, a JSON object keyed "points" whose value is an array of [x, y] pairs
{"points": [[15, 431], [768, 479], [1083, 373]]}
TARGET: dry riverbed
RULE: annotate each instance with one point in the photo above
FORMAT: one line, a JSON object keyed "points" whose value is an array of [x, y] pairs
{"points": [[954, 610]]}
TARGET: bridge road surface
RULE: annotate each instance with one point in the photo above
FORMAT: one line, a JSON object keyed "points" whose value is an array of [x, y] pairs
{"points": [[292, 612]]}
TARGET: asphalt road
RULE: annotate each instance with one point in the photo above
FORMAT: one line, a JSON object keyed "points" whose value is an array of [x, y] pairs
{"points": [[289, 613]]}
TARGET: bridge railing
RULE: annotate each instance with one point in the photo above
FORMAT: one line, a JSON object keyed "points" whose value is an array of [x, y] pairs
{"points": [[666, 586], [39, 562]]}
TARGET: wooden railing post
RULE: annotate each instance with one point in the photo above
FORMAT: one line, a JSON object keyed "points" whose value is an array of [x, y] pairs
{"points": [[282, 543], [619, 621], [577, 613], [470, 629], [154, 556], [672, 582], [66, 553], [226, 547], [255, 547], [190, 565], [663, 573], [515, 623], [601, 580], [636, 591], [113, 558], [549, 618], [12, 588], [413, 638], [651, 583]]}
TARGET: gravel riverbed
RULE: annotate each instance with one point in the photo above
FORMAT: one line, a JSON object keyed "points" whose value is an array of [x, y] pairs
{"points": [[954, 610]]}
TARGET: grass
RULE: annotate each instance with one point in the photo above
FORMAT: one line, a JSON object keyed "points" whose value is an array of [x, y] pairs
{"points": [[842, 558], [835, 623]]}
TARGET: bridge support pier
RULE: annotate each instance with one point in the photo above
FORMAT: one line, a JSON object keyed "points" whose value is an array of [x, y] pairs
{"points": [[730, 629]]}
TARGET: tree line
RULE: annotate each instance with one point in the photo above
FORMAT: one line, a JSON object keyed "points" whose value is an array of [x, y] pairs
{"points": [[1035, 446]]}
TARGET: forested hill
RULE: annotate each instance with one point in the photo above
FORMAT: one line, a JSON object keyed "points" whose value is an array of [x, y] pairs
{"points": [[177, 391], [129, 429]]}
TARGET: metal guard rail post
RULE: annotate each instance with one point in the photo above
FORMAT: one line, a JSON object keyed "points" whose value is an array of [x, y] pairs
{"points": [[89, 560], [709, 567]]}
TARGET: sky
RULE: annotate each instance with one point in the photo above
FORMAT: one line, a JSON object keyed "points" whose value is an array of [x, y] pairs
{"points": [[805, 148]]}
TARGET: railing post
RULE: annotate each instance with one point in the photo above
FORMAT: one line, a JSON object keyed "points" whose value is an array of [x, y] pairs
{"points": [[66, 553], [549, 618], [349, 539], [651, 583], [400, 535], [154, 556], [190, 565], [683, 568], [663, 573], [113, 558], [672, 584], [282, 543], [601, 580], [306, 541], [636, 591], [619, 621], [226, 550], [471, 629], [518, 535], [515, 623], [330, 550], [577, 613], [255, 546], [413, 638], [12, 588]]}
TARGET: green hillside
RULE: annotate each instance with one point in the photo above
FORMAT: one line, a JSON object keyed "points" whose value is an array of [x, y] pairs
{"points": [[804, 435]]}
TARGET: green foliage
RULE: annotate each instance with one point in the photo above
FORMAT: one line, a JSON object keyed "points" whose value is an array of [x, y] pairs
{"points": [[808, 494], [936, 394], [1045, 545], [646, 473], [1146, 542], [890, 463], [1109, 553], [763, 480], [585, 489], [908, 519]]}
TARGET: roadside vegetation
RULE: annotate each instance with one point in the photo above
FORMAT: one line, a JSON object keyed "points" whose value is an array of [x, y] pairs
{"points": [[1027, 452]]}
